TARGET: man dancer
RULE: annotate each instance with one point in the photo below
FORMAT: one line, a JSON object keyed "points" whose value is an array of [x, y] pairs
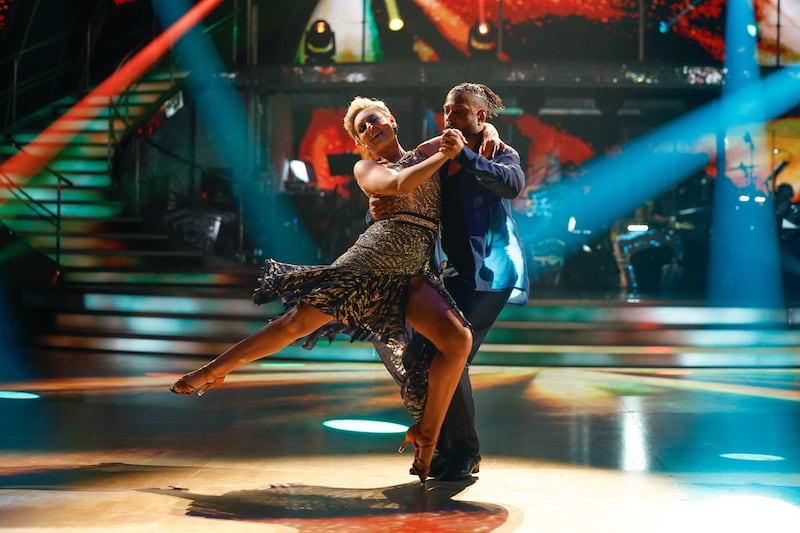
{"points": [[484, 263]]}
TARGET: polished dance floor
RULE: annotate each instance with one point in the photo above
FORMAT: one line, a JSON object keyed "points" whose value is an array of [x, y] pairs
{"points": [[99, 444]]}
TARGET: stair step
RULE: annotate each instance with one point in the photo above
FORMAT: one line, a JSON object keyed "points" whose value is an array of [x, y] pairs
{"points": [[149, 95], [79, 166], [69, 209], [153, 86], [26, 223], [164, 76], [85, 179], [572, 312], [102, 110], [73, 150], [172, 303], [26, 138], [620, 355], [75, 125], [700, 337], [231, 327], [124, 258], [47, 243], [202, 301], [67, 167], [339, 350], [50, 194], [154, 276]]}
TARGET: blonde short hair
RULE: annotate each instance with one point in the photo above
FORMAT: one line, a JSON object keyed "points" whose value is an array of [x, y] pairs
{"points": [[359, 104]]}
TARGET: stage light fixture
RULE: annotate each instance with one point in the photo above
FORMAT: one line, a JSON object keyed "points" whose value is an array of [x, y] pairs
{"points": [[299, 170], [482, 41], [320, 43], [396, 22], [300, 176]]}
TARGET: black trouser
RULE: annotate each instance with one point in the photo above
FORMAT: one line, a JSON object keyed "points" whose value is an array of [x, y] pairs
{"points": [[458, 436]]}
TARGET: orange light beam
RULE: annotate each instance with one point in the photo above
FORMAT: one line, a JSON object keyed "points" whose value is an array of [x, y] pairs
{"points": [[46, 146]]}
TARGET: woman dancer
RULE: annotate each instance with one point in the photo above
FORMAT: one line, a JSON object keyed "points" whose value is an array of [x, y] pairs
{"points": [[376, 286]]}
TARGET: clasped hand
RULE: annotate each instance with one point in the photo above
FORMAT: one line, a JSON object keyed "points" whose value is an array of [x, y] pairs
{"points": [[452, 143]]}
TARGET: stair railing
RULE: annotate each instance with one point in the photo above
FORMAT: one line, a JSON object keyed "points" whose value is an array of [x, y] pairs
{"points": [[116, 103], [38, 207], [12, 93]]}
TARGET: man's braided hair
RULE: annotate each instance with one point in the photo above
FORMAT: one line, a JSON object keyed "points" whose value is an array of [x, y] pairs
{"points": [[484, 95]]}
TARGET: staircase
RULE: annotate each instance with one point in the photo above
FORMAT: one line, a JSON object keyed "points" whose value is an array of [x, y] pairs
{"points": [[123, 287]]}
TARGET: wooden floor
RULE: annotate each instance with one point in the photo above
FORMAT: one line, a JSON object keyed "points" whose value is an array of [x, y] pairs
{"points": [[106, 447]]}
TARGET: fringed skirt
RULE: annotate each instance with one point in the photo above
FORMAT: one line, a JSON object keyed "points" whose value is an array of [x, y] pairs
{"points": [[366, 292]]}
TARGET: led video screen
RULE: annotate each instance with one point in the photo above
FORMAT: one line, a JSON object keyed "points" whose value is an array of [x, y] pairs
{"points": [[549, 30]]}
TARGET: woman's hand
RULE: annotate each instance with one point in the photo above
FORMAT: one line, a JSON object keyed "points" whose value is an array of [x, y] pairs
{"points": [[491, 142], [452, 143]]}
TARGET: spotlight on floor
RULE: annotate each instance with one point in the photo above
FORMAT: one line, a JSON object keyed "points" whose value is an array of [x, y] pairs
{"points": [[364, 426], [17, 395], [759, 457]]}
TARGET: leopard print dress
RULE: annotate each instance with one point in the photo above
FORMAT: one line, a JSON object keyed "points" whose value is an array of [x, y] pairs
{"points": [[366, 289]]}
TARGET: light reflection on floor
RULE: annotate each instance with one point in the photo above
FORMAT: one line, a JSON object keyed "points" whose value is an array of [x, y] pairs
{"points": [[565, 450]]}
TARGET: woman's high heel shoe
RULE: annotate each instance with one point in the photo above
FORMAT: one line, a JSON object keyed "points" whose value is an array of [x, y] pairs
{"points": [[423, 452], [183, 385]]}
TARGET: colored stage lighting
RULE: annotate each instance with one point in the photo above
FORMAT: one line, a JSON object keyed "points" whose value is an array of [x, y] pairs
{"points": [[28, 165], [613, 186], [320, 43], [482, 42], [396, 23], [743, 222]]}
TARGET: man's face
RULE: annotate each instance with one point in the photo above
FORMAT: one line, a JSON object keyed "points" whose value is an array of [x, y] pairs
{"points": [[461, 112]]}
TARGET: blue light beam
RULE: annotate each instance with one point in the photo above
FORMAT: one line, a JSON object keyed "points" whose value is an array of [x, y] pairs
{"points": [[223, 113], [744, 266], [615, 186]]}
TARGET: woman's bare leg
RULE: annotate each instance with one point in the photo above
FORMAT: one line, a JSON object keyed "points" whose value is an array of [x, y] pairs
{"points": [[429, 313], [271, 338]]}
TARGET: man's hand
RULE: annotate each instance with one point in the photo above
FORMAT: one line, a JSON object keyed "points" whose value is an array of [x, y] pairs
{"points": [[381, 207], [453, 142]]}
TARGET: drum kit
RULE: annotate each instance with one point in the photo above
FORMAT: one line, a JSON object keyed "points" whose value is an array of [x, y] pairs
{"points": [[661, 246]]}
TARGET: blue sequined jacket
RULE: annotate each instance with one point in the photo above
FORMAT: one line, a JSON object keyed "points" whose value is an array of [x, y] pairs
{"points": [[486, 188]]}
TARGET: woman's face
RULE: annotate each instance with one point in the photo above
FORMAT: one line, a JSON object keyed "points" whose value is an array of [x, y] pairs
{"points": [[374, 128]]}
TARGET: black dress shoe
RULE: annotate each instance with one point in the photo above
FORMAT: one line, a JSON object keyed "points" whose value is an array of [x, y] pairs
{"points": [[460, 467], [438, 464]]}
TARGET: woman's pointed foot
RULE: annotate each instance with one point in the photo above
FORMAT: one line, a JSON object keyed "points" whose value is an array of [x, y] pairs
{"points": [[423, 452], [200, 380]]}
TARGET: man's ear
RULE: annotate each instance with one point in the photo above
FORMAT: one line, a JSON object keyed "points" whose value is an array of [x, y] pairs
{"points": [[482, 116]]}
